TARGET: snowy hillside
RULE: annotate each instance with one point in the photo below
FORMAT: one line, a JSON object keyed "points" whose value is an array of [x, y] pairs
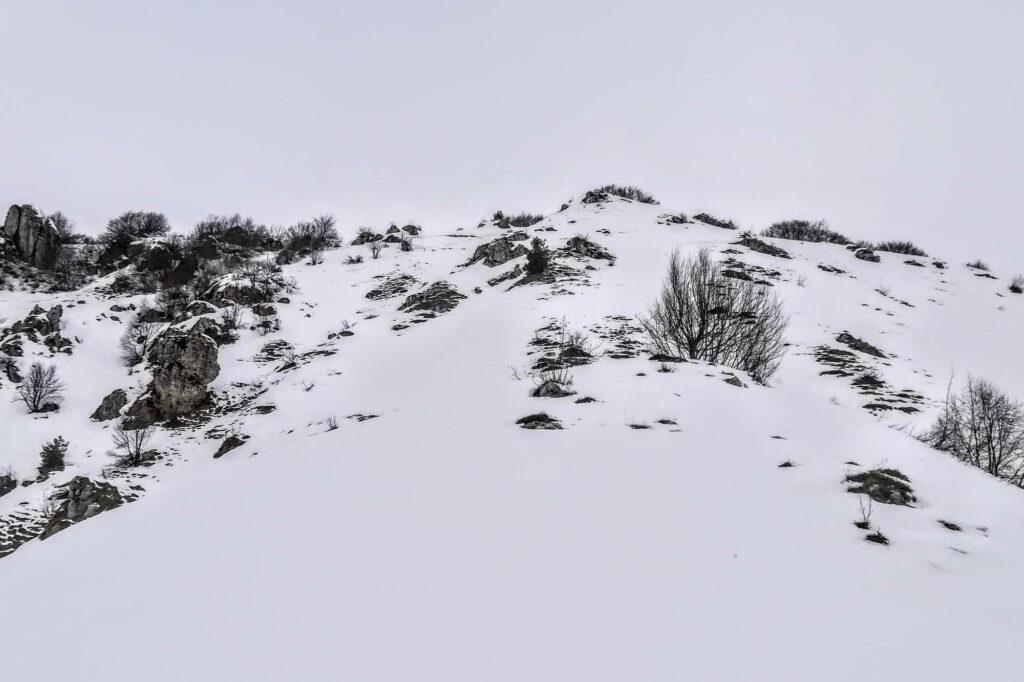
{"points": [[386, 518]]}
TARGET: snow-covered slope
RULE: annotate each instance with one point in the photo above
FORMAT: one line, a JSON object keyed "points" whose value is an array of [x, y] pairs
{"points": [[654, 537]]}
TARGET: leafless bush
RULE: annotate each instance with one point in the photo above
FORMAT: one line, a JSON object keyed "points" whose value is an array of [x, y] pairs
{"points": [[136, 342], [982, 426], [353, 260], [332, 423], [232, 315], [131, 443], [375, 248], [40, 388], [804, 230], [703, 315], [1017, 284], [316, 255], [905, 247], [978, 265]]}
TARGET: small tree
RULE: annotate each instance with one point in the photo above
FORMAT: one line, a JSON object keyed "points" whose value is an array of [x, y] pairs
{"points": [[702, 314], [376, 247], [51, 457], [982, 426], [40, 388], [131, 443], [136, 341], [133, 225], [538, 257], [63, 225]]}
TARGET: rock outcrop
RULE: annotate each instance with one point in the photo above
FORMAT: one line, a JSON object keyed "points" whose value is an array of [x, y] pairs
{"points": [[39, 326], [497, 252], [183, 363], [867, 255], [79, 499], [439, 297], [110, 407], [30, 237]]}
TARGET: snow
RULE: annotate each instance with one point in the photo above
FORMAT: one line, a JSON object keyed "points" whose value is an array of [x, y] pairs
{"points": [[440, 541]]}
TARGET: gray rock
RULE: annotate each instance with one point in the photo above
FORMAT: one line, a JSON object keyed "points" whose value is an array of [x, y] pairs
{"points": [[110, 407], [7, 484], [34, 239], [81, 498], [867, 255], [229, 444], [183, 364], [497, 252]]}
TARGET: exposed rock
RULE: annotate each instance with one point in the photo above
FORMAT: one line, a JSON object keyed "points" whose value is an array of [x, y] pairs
{"points": [[230, 443], [497, 252], [151, 255], [439, 297], [394, 284], [511, 274], [595, 197], [80, 498], [414, 230], [735, 381], [859, 344], [110, 407], [196, 308], [39, 326], [584, 247], [392, 239], [755, 244], [867, 255], [366, 238], [7, 484], [34, 240], [183, 363], [393, 229]]}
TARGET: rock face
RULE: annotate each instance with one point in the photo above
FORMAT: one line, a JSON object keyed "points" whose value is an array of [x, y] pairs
{"points": [[439, 297], [110, 407], [7, 484], [582, 246], [183, 364], [34, 240], [39, 326], [80, 498], [229, 444], [497, 252]]}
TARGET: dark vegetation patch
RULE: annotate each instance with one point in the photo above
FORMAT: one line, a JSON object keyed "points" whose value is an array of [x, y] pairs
{"points": [[831, 269], [949, 525], [622, 336], [391, 285], [561, 347], [805, 230], [906, 248], [736, 269], [709, 219], [540, 420], [627, 192], [885, 485], [877, 538]]}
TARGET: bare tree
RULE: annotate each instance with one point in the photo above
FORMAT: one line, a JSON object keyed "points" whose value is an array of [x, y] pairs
{"points": [[131, 443], [982, 426], [703, 315], [136, 342], [41, 387], [376, 247]]}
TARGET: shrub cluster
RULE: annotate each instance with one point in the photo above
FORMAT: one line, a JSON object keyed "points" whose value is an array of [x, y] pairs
{"points": [[805, 231], [628, 192], [904, 247]]}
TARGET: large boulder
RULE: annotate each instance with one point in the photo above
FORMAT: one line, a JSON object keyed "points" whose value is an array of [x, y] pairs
{"points": [[183, 363], [497, 252], [79, 499], [110, 407], [32, 239]]}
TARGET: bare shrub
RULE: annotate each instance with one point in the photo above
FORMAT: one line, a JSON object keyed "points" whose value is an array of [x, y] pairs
{"points": [[978, 265], [375, 248], [904, 247], [316, 255], [232, 315], [806, 231], [703, 315], [628, 192], [136, 342], [983, 427], [41, 388], [1017, 284], [130, 444]]}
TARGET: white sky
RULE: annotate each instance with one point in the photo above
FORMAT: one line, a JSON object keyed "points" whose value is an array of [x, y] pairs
{"points": [[890, 120]]}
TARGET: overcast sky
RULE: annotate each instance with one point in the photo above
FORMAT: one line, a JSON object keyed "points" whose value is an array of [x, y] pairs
{"points": [[888, 119]]}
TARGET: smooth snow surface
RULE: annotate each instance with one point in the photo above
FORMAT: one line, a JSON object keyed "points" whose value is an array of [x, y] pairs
{"points": [[439, 541]]}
